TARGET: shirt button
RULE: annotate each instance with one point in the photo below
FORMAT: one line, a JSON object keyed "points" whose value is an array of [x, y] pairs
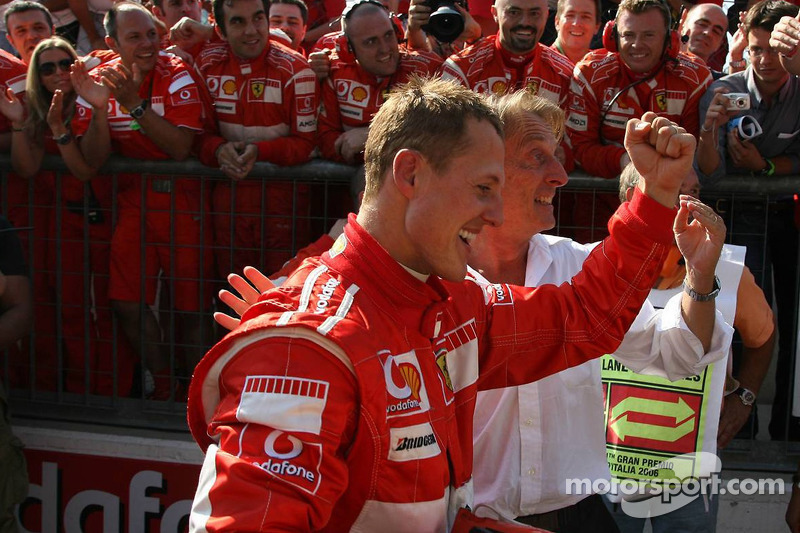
{"points": [[532, 471]]}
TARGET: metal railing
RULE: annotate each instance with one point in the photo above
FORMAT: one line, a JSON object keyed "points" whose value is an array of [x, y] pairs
{"points": [[318, 193]]}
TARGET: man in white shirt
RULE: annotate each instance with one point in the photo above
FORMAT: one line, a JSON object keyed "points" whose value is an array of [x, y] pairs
{"points": [[529, 440]]}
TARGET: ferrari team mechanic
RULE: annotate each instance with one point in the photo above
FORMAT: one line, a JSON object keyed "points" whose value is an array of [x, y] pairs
{"points": [[641, 69], [265, 103], [513, 59], [368, 64], [345, 398]]}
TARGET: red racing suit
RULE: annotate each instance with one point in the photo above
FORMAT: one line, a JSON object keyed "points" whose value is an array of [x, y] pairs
{"points": [[270, 101], [344, 401], [351, 96], [673, 92], [483, 68]]}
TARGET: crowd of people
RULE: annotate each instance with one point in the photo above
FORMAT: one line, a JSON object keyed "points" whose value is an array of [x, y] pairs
{"points": [[243, 81]]}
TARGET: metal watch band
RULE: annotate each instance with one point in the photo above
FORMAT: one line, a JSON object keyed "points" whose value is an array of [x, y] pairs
{"points": [[696, 296]]}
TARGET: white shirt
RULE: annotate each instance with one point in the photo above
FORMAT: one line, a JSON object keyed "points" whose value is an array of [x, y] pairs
{"points": [[529, 440]]}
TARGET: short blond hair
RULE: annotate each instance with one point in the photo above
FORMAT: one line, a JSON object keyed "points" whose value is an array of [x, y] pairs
{"points": [[516, 110], [426, 115]]}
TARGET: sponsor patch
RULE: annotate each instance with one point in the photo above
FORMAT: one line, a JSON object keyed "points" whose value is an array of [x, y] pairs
{"points": [[180, 81], [352, 112], [289, 403], [406, 390], [188, 95], [338, 246], [457, 352], [227, 87], [305, 85], [608, 94], [306, 124], [227, 108], [577, 104], [661, 101], [577, 122], [304, 105], [413, 443], [17, 84], [324, 295], [287, 457], [497, 85]]}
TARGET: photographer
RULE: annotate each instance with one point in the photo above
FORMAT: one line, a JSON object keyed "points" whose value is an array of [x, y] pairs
{"points": [[449, 16], [775, 104]]}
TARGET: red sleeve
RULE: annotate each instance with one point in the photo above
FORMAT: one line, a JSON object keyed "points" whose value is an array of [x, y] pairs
{"points": [[269, 471], [82, 118], [183, 104], [583, 127], [300, 102], [314, 249], [532, 333], [330, 122]]}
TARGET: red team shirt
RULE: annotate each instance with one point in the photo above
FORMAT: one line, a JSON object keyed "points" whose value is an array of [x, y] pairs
{"points": [[270, 101], [482, 68], [674, 92], [351, 96]]}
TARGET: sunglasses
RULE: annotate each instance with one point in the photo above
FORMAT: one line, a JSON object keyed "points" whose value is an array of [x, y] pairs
{"points": [[49, 68]]}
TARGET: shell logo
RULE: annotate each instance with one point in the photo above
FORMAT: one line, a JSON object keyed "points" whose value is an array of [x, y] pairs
{"points": [[359, 94], [533, 87], [410, 374], [229, 87], [499, 87]]}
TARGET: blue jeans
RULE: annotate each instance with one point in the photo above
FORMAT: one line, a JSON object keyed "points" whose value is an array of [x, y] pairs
{"points": [[691, 518]]}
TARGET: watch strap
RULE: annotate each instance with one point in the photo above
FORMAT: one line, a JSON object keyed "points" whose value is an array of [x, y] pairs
{"points": [[747, 396], [699, 297], [138, 111]]}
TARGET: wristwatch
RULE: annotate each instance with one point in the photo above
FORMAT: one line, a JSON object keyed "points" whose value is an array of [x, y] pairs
{"points": [[63, 139], [697, 297], [138, 111], [746, 395]]}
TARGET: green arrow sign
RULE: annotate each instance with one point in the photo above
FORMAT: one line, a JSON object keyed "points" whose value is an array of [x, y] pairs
{"points": [[623, 428], [679, 410]]}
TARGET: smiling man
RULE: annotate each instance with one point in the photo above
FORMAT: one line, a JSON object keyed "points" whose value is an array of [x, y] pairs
{"points": [[646, 72], [513, 59], [148, 107], [576, 22], [530, 440], [369, 63], [265, 100], [344, 400]]}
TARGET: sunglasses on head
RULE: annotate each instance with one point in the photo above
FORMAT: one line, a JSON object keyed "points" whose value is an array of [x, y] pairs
{"points": [[49, 68]]}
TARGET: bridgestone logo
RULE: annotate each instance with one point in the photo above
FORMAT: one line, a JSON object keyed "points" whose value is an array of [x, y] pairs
{"points": [[415, 442], [402, 406]]}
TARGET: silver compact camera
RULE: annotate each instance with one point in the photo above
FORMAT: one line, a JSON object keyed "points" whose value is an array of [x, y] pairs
{"points": [[737, 101]]}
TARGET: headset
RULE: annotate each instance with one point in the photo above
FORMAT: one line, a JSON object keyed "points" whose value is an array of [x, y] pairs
{"points": [[672, 42], [672, 46], [342, 43]]}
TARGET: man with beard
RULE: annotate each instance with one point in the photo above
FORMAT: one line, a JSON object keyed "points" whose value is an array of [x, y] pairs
{"points": [[513, 59]]}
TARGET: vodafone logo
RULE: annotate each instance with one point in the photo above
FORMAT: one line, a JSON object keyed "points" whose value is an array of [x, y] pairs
{"points": [[296, 447]]}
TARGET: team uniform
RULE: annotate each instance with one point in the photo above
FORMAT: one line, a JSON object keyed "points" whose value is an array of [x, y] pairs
{"points": [[486, 67], [360, 417], [673, 92], [270, 101], [351, 96], [174, 95]]}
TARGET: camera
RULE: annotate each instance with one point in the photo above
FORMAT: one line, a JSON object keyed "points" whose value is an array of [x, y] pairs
{"points": [[737, 101], [446, 22]]}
